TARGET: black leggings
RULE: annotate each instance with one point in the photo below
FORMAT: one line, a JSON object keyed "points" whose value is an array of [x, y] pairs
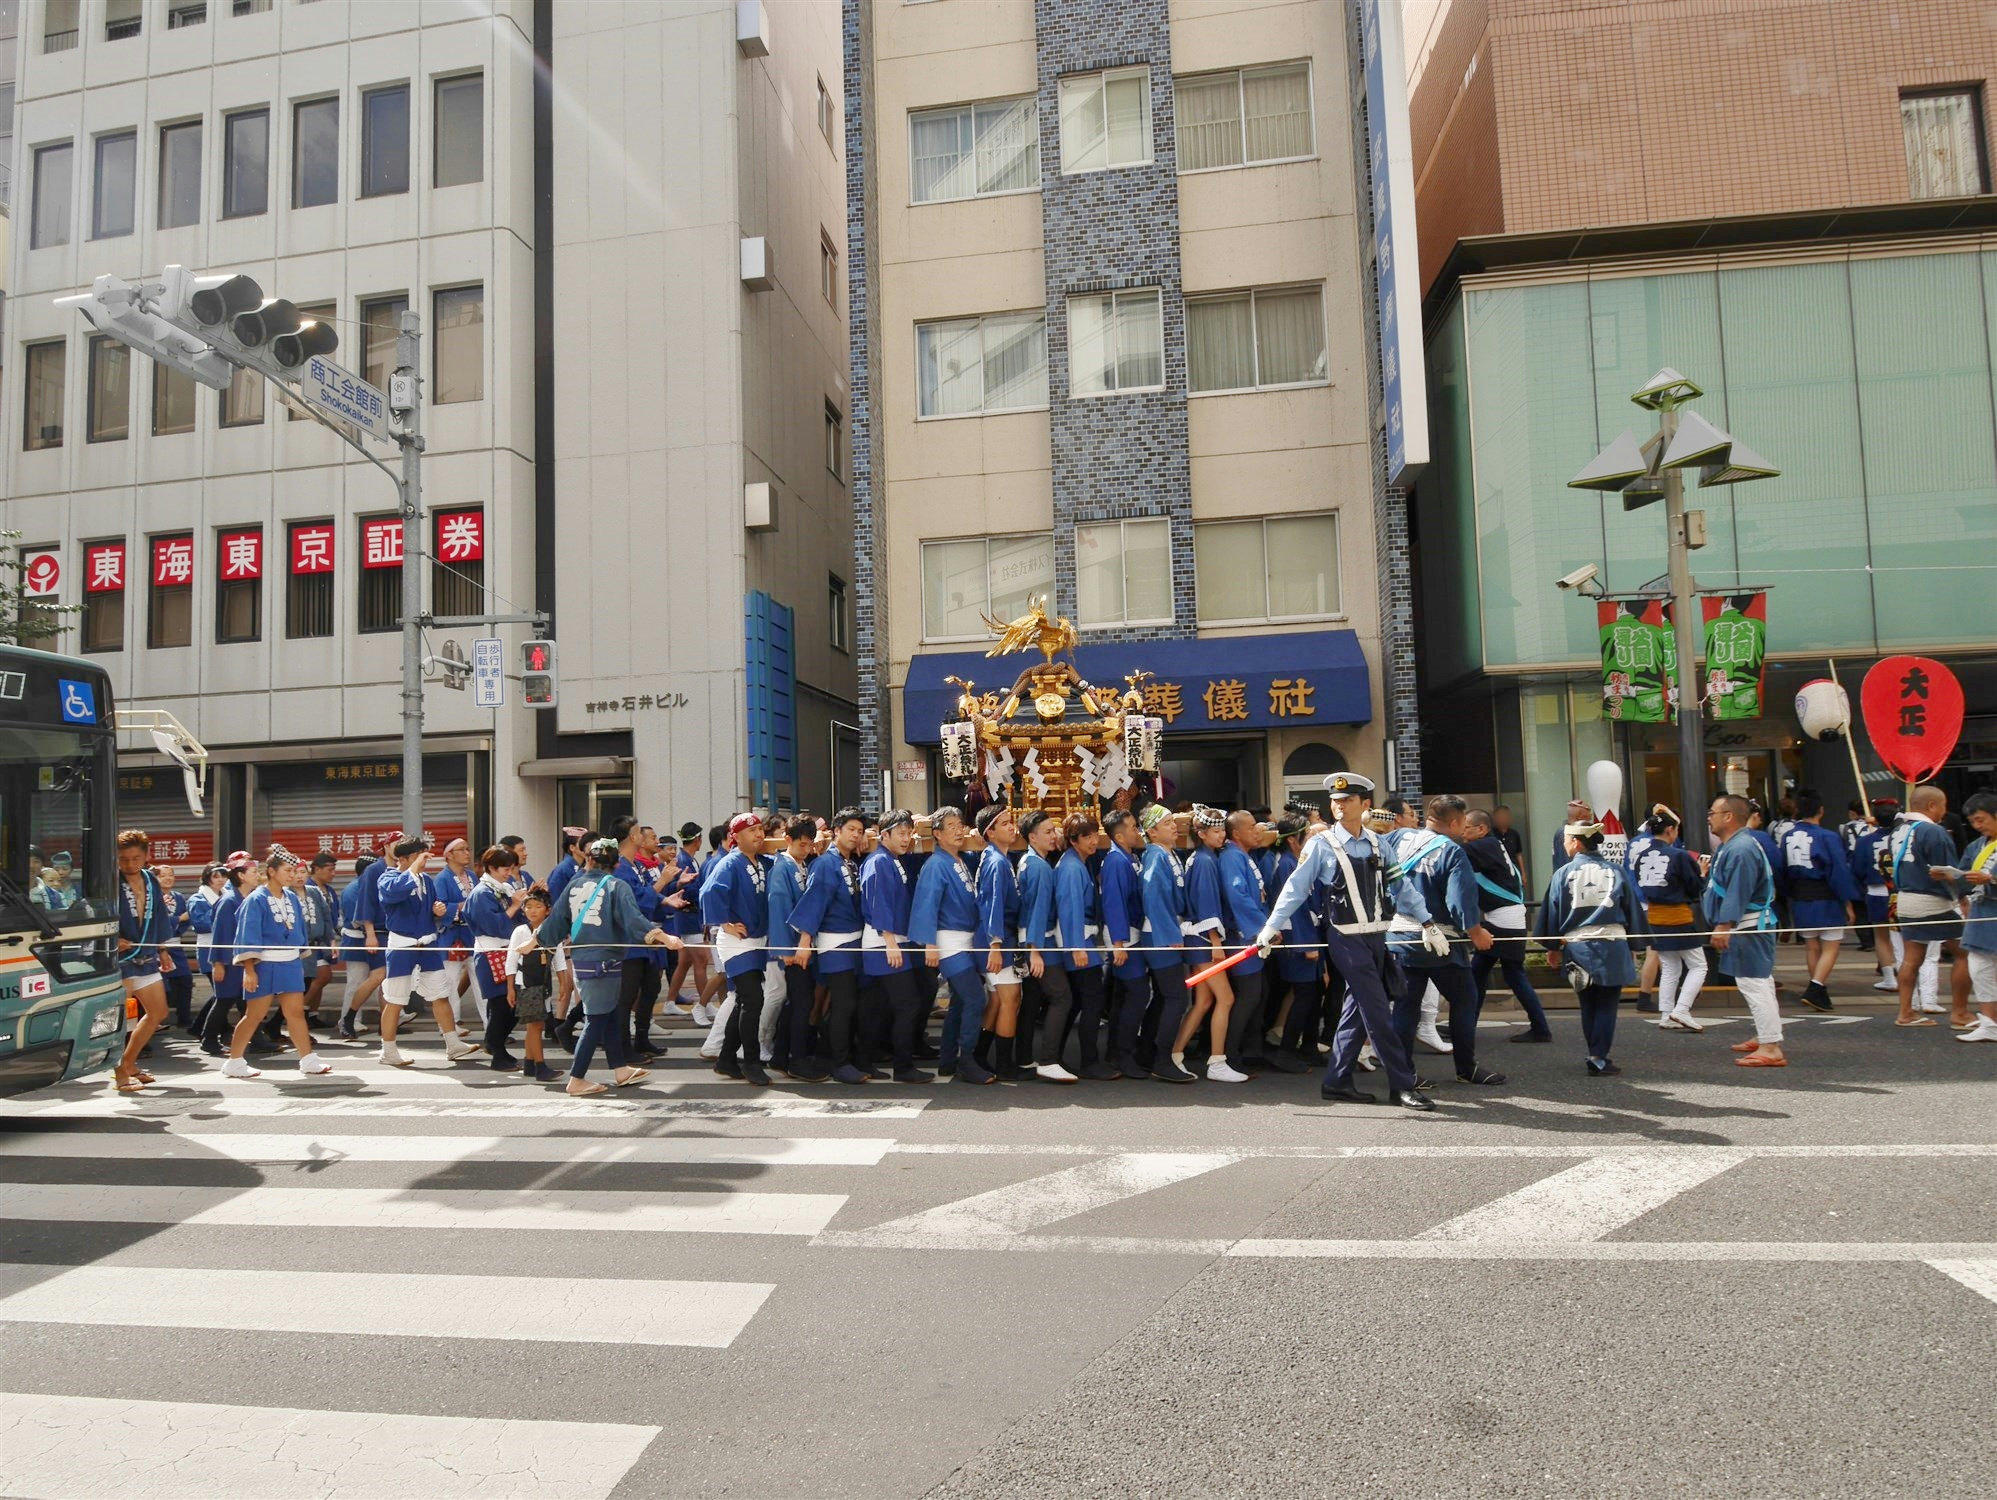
{"points": [[742, 1035], [498, 1025], [637, 996]]}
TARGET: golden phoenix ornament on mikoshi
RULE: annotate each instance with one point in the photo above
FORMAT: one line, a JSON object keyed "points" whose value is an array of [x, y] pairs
{"points": [[1053, 739]]}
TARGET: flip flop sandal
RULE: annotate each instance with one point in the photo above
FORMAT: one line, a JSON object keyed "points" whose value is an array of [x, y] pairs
{"points": [[143, 1076], [589, 1089], [637, 1075], [1760, 1060], [1747, 1046], [1916, 1021]]}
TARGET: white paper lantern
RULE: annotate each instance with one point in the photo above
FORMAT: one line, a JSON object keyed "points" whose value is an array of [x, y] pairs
{"points": [[1823, 710]]}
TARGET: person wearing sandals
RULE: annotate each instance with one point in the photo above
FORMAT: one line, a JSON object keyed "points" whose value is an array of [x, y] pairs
{"points": [[270, 943], [1586, 921], [599, 917], [1923, 866], [1979, 931], [145, 922], [1669, 882], [1739, 903]]}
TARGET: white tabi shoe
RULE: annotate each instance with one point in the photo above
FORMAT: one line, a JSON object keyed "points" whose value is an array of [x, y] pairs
{"points": [[312, 1064], [1053, 1073], [239, 1067], [1430, 1038], [1219, 1072]]}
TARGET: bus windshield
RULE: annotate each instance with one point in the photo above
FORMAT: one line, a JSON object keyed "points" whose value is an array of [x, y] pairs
{"points": [[55, 835]]}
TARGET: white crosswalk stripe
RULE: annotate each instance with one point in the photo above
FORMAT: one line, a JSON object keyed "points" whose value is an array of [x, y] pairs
{"points": [[509, 1106], [841, 1151]]}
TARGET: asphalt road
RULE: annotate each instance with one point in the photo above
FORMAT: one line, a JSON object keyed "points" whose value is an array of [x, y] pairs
{"points": [[1686, 1280]]}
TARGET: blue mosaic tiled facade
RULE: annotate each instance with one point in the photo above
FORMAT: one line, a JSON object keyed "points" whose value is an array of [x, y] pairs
{"points": [[1117, 456], [869, 638]]}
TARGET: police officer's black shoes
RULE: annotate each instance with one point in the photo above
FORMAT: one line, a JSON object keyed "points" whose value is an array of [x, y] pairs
{"points": [[1347, 1094], [1414, 1099]]}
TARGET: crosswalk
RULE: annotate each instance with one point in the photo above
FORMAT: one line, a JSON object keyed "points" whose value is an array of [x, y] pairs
{"points": [[279, 1216]]}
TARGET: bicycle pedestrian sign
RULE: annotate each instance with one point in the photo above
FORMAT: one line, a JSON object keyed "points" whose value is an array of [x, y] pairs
{"points": [[488, 673]]}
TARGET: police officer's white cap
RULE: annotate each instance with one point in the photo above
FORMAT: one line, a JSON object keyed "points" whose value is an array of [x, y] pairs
{"points": [[1348, 784]]}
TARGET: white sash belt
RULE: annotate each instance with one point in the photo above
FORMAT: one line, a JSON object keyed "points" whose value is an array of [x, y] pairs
{"points": [[351, 932], [950, 942], [870, 937], [731, 947], [279, 955], [401, 940], [1194, 929], [1600, 931], [486, 943], [830, 940], [1511, 917]]}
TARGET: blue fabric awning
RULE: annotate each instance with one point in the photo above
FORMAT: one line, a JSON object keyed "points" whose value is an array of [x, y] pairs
{"points": [[1199, 686]]}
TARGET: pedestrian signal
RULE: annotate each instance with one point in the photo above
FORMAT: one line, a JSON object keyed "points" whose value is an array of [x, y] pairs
{"points": [[537, 674]]}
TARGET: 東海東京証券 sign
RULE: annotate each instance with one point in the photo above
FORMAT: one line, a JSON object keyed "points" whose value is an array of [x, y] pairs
{"points": [[344, 395]]}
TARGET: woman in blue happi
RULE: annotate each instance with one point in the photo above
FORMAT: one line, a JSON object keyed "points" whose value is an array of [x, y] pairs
{"points": [[599, 916], [270, 942], [999, 913], [1669, 883], [1163, 888], [145, 921], [1589, 915], [1206, 943]]}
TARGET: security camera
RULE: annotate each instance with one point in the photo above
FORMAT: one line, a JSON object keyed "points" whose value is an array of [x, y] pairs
{"points": [[1586, 574]]}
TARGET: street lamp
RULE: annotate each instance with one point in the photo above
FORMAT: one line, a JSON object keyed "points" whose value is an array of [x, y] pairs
{"points": [[1653, 470]]}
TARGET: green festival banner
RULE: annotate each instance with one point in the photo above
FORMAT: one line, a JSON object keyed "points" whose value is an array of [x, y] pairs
{"points": [[1639, 660], [1736, 648]]}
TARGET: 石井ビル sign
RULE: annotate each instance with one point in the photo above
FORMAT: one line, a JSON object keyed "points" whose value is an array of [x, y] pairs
{"points": [[344, 395]]}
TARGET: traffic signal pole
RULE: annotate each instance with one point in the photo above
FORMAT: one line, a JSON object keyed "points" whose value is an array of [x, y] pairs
{"points": [[406, 384]]}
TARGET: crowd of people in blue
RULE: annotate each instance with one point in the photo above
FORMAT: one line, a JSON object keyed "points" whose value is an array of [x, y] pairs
{"points": [[1150, 944]]}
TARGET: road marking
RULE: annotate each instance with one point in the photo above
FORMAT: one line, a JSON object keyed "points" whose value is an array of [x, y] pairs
{"points": [[81, 1446], [1551, 1151], [326, 1150], [557, 1209], [1257, 1249], [1021, 1206], [1587, 1201], [692, 1314], [1980, 1276], [513, 1107]]}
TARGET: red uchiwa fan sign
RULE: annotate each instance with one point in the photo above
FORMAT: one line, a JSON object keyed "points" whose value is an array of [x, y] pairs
{"points": [[1913, 712]]}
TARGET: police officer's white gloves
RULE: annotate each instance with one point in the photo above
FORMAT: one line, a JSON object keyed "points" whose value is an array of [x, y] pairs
{"points": [[1265, 940], [1435, 939]]}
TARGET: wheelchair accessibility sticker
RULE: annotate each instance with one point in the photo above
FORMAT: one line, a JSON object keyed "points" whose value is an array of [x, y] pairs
{"points": [[79, 701]]}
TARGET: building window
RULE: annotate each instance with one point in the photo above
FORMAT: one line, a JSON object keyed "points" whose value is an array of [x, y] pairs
{"points": [[113, 185], [1280, 568], [108, 414], [457, 345], [1241, 118], [1945, 147], [242, 402], [245, 163], [173, 401], [835, 605], [458, 146], [6, 144], [457, 562], [248, 7], [385, 141], [1116, 342], [1123, 573], [59, 28], [308, 590], [42, 421], [1262, 339], [834, 444], [973, 150], [315, 152], [104, 596], [238, 586], [122, 19], [825, 112], [180, 175], [1106, 120], [311, 310], [381, 322], [828, 268], [963, 581], [186, 13], [49, 223], [970, 366], [170, 598], [381, 574]]}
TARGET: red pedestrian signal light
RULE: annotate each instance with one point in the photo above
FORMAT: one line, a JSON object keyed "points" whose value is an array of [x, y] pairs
{"points": [[537, 674]]}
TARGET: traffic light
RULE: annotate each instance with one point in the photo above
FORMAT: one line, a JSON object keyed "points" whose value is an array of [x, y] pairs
{"points": [[268, 333], [112, 306], [537, 674]]}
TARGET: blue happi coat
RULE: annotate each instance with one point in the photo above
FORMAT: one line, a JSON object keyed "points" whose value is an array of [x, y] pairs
{"points": [[1588, 892], [946, 901], [1740, 889]]}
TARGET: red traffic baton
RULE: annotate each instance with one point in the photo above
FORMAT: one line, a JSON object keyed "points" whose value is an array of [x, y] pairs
{"points": [[1203, 975]]}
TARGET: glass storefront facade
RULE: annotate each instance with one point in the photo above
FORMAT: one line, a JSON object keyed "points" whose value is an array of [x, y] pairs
{"points": [[1867, 375]]}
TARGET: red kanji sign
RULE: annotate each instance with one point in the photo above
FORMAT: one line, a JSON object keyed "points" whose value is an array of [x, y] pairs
{"points": [[312, 549], [460, 536], [104, 568], [42, 572], [173, 561], [1913, 711], [242, 555], [381, 544]]}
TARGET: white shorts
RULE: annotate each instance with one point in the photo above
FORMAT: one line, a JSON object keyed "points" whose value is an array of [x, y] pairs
{"points": [[424, 984], [1007, 975], [136, 982], [1828, 934]]}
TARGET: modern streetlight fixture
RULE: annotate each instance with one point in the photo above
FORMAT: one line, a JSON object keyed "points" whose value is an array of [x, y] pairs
{"points": [[1655, 469]]}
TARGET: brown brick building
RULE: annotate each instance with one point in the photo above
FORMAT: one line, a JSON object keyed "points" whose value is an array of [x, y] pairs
{"points": [[1536, 115]]}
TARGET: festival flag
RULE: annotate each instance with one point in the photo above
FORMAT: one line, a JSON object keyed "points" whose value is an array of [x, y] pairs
{"points": [[1736, 648], [1639, 660]]}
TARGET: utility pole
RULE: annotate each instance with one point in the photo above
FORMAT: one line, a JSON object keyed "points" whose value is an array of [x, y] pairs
{"points": [[405, 400], [1685, 628]]}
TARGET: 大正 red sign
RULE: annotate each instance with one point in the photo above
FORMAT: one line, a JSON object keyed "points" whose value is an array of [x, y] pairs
{"points": [[1913, 712], [242, 555], [381, 544], [173, 561], [460, 536], [41, 574], [312, 549], [104, 568]]}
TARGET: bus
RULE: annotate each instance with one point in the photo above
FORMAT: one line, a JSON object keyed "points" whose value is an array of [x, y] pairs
{"points": [[62, 1004]]}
